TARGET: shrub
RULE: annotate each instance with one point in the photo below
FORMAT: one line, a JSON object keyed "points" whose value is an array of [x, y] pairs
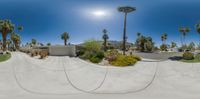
{"points": [[99, 55], [33, 54], [91, 51], [188, 56], [43, 54], [80, 53], [123, 60], [95, 59], [163, 47], [86, 55], [111, 55], [92, 45], [197, 57]]}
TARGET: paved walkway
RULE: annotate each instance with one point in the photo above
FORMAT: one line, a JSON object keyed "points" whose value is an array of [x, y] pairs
{"points": [[23, 77]]}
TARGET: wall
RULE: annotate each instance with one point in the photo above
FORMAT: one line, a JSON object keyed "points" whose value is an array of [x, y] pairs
{"points": [[69, 50]]}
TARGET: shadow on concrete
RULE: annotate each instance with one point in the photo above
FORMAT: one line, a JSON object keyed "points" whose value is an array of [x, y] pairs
{"points": [[175, 58]]}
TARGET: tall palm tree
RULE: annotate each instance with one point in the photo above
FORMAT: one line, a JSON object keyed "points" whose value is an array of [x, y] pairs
{"points": [[65, 37], [1, 45], [20, 28], [184, 31], [6, 26], [16, 40], [198, 28], [125, 10], [48, 44], [138, 34], [105, 38], [173, 45], [33, 41], [164, 38], [8, 42]]}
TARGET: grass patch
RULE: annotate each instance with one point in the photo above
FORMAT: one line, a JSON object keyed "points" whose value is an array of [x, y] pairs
{"points": [[190, 61], [5, 57]]}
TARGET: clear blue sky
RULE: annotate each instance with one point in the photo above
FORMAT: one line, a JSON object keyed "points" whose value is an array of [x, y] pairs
{"points": [[45, 20]]}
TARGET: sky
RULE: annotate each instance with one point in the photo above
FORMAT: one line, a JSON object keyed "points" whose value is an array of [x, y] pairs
{"points": [[46, 20]]}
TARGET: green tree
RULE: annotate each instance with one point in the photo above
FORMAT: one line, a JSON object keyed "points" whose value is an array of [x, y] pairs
{"points": [[125, 10], [173, 45], [34, 41], [164, 38], [191, 46], [48, 44], [198, 28], [16, 40], [184, 31], [198, 46], [163, 47], [65, 37], [92, 45], [105, 38], [20, 28], [6, 26], [8, 42], [144, 44]]}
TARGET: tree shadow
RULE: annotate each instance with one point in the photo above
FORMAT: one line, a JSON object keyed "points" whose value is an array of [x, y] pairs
{"points": [[175, 58]]}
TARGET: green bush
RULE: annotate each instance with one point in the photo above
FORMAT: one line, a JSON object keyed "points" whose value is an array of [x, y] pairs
{"points": [[99, 54], [80, 53], [95, 59], [197, 57], [92, 45], [123, 60], [188, 56]]}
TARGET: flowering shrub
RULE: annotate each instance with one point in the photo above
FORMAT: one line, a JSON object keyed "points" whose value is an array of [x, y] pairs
{"points": [[118, 59], [123, 60]]}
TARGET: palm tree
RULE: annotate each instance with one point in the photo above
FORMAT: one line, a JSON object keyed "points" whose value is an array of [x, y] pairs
{"points": [[198, 28], [125, 10], [164, 38], [65, 37], [34, 41], [6, 27], [138, 34], [20, 28], [184, 31], [16, 40], [48, 44], [173, 45], [105, 38], [1, 45], [8, 42]]}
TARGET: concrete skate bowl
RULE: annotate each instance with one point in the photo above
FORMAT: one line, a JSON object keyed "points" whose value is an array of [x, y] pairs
{"points": [[78, 76]]}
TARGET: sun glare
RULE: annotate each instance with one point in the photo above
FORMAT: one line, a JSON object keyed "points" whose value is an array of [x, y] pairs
{"points": [[99, 13]]}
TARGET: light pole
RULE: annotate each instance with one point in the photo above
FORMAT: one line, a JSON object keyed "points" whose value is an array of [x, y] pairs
{"points": [[125, 10]]}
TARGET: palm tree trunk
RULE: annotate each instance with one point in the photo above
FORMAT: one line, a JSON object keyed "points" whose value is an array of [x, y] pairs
{"points": [[181, 40], [105, 45], [65, 41], [4, 34], [124, 35]]}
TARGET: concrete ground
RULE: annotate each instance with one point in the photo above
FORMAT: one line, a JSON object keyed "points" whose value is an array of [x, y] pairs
{"points": [[23, 77]]}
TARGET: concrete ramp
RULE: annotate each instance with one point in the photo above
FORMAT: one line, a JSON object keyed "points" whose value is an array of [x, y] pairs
{"points": [[23, 77]]}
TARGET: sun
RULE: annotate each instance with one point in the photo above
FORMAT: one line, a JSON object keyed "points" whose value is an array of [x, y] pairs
{"points": [[99, 13]]}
